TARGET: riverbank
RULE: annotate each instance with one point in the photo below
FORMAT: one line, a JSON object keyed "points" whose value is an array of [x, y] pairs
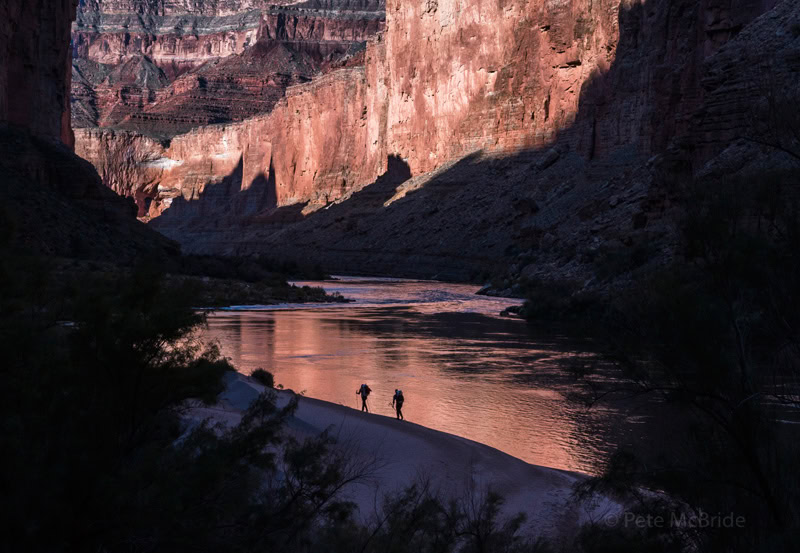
{"points": [[210, 286], [399, 453]]}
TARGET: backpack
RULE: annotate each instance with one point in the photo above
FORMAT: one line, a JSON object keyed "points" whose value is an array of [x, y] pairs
{"points": [[399, 396], [365, 390]]}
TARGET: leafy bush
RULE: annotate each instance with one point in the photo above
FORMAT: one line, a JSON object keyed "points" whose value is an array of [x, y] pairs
{"points": [[254, 269], [264, 377], [96, 370], [418, 519], [610, 262]]}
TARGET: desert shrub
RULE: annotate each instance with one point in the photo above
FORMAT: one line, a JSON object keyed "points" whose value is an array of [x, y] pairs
{"points": [[600, 538], [264, 377], [715, 339], [95, 371], [419, 519], [98, 369], [257, 270]]}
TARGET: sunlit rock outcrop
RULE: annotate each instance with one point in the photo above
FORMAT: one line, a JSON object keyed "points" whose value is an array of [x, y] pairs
{"points": [[159, 70], [525, 126], [449, 78], [165, 68], [298, 148]]}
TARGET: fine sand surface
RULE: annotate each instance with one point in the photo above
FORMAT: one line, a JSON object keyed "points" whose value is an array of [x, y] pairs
{"points": [[399, 453]]}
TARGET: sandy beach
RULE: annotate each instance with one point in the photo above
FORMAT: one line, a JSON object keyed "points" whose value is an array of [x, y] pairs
{"points": [[399, 453]]}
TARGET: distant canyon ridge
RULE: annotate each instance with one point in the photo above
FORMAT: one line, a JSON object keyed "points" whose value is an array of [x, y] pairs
{"points": [[147, 73], [434, 138]]}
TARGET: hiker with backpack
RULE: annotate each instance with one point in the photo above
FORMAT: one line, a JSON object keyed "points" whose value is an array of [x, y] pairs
{"points": [[397, 403], [364, 391]]}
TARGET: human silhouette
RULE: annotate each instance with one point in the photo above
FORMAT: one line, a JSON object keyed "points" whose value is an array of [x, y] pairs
{"points": [[397, 403], [364, 391]]}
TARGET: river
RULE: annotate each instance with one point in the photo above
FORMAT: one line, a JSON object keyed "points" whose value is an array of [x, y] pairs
{"points": [[463, 368]]}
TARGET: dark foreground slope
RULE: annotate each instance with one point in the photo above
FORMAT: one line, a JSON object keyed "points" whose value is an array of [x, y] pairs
{"points": [[53, 203], [55, 211]]}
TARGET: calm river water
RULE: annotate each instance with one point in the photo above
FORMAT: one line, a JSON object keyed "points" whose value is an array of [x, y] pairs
{"points": [[463, 368]]}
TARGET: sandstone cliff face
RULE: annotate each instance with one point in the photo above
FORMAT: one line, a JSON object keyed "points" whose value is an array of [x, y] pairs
{"points": [[179, 7], [297, 151], [171, 71], [452, 77], [493, 75], [168, 67], [174, 44], [528, 126], [521, 74], [34, 66]]}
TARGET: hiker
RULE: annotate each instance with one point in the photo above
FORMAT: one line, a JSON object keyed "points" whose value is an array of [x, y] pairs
{"points": [[364, 391], [397, 402]]}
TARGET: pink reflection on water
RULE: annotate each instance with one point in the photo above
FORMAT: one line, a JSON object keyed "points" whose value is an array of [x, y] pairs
{"points": [[463, 370]]}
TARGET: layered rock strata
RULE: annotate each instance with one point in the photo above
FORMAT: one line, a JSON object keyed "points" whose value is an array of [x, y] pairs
{"points": [[165, 68], [451, 78], [528, 127], [297, 151]]}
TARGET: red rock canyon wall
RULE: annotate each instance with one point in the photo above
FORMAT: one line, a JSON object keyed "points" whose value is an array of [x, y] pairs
{"points": [[299, 147], [165, 68], [34, 66], [506, 75], [450, 77]]}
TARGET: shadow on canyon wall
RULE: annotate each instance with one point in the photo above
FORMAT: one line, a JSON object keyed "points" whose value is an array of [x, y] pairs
{"points": [[225, 204], [222, 201], [590, 189]]}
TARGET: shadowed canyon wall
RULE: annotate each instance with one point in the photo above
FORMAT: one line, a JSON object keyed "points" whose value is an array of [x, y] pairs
{"points": [[51, 201], [34, 66]]}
